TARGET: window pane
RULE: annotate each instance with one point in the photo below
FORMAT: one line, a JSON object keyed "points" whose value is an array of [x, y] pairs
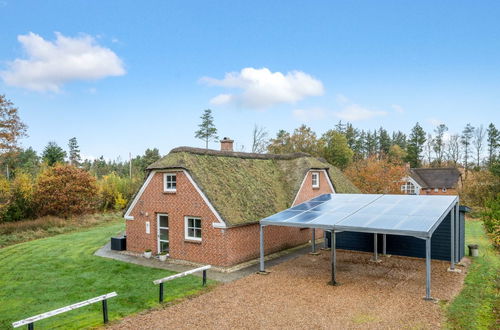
{"points": [[190, 222], [191, 232], [164, 234], [197, 223], [163, 221], [164, 246], [198, 233]]}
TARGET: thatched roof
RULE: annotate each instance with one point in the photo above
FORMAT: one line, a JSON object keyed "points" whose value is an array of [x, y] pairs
{"points": [[436, 177], [246, 187]]}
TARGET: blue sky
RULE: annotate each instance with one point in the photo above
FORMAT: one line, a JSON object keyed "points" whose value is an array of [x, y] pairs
{"points": [[150, 68]]}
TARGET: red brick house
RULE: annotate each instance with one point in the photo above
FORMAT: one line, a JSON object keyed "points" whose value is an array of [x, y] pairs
{"points": [[432, 181], [204, 205]]}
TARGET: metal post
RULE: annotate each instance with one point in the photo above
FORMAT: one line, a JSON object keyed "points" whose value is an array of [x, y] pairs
{"points": [[204, 277], [375, 248], [105, 310], [325, 243], [384, 245], [161, 292], [452, 238], [313, 238], [428, 269], [31, 326], [334, 258], [262, 269], [457, 232]]}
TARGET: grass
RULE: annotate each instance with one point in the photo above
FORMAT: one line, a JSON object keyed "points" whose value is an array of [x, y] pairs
{"points": [[478, 304], [45, 274]]}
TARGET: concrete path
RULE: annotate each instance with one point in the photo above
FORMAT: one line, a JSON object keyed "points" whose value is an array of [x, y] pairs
{"points": [[212, 274]]}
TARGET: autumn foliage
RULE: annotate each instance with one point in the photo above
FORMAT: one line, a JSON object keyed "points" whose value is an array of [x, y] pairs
{"points": [[376, 176], [65, 190]]}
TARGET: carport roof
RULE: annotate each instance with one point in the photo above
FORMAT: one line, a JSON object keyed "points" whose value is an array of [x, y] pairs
{"points": [[412, 215]]}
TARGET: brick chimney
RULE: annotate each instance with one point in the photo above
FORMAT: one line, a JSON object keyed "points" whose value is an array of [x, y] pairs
{"points": [[226, 144]]}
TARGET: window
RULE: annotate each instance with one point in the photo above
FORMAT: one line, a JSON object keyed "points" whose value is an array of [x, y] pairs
{"points": [[436, 189], [408, 188], [315, 179], [444, 189], [169, 182], [193, 228]]}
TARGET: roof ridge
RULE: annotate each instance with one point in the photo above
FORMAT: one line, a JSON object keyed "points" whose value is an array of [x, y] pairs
{"points": [[246, 155]]}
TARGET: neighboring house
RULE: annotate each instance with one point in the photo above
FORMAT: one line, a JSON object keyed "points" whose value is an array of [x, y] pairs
{"points": [[204, 205], [432, 181]]}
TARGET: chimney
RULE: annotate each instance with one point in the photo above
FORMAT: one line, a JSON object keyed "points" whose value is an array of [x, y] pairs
{"points": [[226, 144]]}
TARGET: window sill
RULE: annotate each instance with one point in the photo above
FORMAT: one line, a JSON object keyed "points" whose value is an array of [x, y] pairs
{"points": [[193, 241], [169, 191], [316, 188]]}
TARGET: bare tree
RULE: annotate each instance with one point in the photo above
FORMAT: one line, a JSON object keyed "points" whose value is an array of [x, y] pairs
{"points": [[260, 140], [478, 142], [438, 145], [453, 148], [429, 146]]}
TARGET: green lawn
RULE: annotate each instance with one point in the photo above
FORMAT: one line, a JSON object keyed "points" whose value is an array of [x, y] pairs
{"points": [[478, 304], [45, 274]]}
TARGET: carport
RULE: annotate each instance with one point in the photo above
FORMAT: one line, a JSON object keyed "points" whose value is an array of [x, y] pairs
{"points": [[407, 215]]}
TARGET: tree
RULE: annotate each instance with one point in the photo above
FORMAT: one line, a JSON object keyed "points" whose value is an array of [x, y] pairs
{"points": [[53, 154], [376, 176], [370, 144], [11, 127], [429, 146], [304, 139], [384, 142], [65, 190], [466, 139], [415, 146], [281, 144], [396, 154], [453, 149], [74, 152], [493, 141], [477, 142], [259, 139], [336, 149], [438, 145], [207, 130], [399, 138]]}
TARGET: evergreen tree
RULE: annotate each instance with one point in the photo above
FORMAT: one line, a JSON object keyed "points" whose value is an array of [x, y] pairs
{"points": [[53, 154], [340, 127], [493, 140], [384, 142], [28, 161], [466, 140], [336, 149], [438, 145], [74, 152], [415, 146], [399, 138], [207, 130], [352, 135], [371, 144]]}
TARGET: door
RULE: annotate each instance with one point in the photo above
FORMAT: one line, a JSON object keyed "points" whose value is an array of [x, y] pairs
{"points": [[162, 225]]}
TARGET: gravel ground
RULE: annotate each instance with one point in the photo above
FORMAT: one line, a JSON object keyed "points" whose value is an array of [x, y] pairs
{"points": [[296, 295]]}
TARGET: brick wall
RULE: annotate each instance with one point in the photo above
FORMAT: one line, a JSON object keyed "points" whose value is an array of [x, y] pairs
{"points": [[440, 191], [221, 247]]}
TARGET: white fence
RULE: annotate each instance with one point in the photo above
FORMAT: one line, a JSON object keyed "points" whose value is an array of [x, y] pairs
{"points": [[188, 272]]}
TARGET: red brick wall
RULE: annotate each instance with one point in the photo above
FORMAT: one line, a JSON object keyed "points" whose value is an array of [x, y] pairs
{"points": [[222, 247], [440, 191]]}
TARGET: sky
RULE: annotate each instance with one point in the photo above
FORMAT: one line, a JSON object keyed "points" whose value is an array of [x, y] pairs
{"points": [[123, 76]]}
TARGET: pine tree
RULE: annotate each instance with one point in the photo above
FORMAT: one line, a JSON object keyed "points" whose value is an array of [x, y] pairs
{"points": [[336, 149], [207, 130], [74, 152], [53, 154], [466, 139], [493, 141], [384, 142], [415, 146]]}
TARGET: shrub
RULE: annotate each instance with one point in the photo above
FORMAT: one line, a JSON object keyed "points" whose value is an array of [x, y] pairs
{"points": [[21, 198], [479, 187], [115, 191], [491, 219], [64, 190]]}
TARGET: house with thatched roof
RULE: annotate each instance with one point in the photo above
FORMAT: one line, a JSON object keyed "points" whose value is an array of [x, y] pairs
{"points": [[204, 205], [432, 181]]}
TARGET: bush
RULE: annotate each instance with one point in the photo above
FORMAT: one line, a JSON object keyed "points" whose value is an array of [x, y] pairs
{"points": [[491, 219], [115, 191], [479, 187], [64, 190]]}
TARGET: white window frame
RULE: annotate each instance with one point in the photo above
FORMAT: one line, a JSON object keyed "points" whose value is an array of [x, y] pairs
{"points": [[315, 177], [158, 215], [409, 188], [436, 189], [165, 181], [186, 236]]}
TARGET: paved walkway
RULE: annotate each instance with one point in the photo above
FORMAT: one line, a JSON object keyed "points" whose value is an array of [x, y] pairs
{"points": [[214, 274]]}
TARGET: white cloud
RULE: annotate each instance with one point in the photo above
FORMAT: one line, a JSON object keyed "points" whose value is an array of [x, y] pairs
{"points": [[341, 99], [355, 112], [435, 121], [51, 64], [262, 88], [398, 108], [313, 114]]}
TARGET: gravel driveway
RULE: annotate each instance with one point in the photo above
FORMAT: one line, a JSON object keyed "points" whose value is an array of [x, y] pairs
{"points": [[296, 295]]}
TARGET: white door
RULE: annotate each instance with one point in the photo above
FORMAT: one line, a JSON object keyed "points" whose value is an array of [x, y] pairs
{"points": [[162, 225]]}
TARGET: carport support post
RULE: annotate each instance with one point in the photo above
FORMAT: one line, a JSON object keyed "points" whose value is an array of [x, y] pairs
{"points": [[262, 269], [313, 238], [452, 238], [384, 245], [428, 269], [375, 247], [334, 258]]}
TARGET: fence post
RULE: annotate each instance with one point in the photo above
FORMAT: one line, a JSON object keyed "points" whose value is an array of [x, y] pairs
{"points": [[31, 326], [105, 311], [161, 292], [204, 277]]}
